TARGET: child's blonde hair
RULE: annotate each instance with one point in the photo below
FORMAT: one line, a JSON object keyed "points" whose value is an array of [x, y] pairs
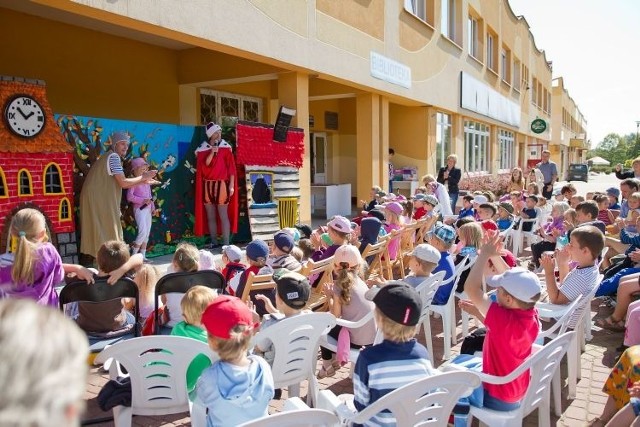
{"points": [[635, 196], [186, 257], [297, 253], [347, 277], [146, 279], [534, 188], [195, 301], [394, 331], [29, 227], [392, 217], [471, 234], [235, 346]]}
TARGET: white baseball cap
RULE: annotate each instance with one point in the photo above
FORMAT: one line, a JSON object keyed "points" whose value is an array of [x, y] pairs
{"points": [[519, 282], [426, 252], [480, 199]]}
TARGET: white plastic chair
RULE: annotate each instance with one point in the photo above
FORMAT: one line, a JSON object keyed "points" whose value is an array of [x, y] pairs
{"points": [[461, 295], [157, 366], [297, 418], [518, 235], [543, 365], [295, 341], [331, 343], [426, 401], [427, 289], [561, 325]]}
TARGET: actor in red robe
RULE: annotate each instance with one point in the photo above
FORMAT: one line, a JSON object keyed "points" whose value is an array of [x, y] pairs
{"points": [[216, 205]]}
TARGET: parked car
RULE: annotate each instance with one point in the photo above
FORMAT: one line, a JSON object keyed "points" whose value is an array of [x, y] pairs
{"points": [[578, 172]]}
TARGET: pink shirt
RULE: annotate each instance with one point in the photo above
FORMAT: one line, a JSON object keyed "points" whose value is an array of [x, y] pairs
{"points": [[510, 335], [394, 244]]}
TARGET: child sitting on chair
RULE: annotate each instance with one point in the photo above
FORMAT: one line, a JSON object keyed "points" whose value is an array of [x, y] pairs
{"points": [[257, 252], [280, 257], [422, 261], [193, 304], [186, 258], [109, 318], [399, 359], [237, 388]]}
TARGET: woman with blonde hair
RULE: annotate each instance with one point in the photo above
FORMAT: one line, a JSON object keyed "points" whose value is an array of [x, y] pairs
{"points": [[516, 181], [449, 176]]}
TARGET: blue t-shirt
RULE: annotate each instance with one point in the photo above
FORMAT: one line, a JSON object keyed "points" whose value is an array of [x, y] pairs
{"points": [[466, 212], [504, 223], [444, 291]]}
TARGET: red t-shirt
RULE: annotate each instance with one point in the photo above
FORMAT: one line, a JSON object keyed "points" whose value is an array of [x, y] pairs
{"points": [[419, 213], [510, 335]]}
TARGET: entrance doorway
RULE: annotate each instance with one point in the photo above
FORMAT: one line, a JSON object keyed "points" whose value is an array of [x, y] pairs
{"points": [[319, 158]]}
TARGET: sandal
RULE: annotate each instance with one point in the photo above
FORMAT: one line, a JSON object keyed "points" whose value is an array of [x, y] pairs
{"points": [[326, 372], [611, 324]]}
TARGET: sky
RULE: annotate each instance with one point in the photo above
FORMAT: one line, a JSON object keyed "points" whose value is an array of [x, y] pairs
{"points": [[595, 47]]}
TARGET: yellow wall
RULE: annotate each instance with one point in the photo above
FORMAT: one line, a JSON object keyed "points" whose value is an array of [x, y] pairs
{"points": [[90, 73], [367, 16], [408, 137]]}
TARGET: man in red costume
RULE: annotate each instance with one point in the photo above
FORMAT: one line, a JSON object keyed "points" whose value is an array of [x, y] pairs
{"points": [[216, 185]]}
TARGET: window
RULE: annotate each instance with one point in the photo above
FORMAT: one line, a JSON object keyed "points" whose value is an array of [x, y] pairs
{"points": [[525, 77], [505, 65], [476, 146], [516, 74], [472, 32], [24, 183], [505, 144], [64, 211], [443, 139], [422, 9], [52, 179], [534, 94], [492, 51], [4, 190], [451, 20], [214, 105]]}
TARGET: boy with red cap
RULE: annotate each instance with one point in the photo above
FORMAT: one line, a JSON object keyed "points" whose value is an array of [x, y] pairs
{"points": [[237, 388]]}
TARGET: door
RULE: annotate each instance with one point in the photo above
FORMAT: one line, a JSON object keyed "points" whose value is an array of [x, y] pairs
{"points": [[319, 153]]}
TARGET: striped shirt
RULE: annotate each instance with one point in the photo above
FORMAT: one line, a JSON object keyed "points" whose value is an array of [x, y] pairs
{"points": [[385, 367], [579, 281], [114, 165]]}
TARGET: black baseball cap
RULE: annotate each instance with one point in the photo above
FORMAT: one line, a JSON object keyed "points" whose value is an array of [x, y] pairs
{"points": [[398, 301], [293, 289], [305, 230]]}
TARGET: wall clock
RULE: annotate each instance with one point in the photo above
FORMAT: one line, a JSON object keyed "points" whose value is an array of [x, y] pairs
{"points": [[24, 116]]}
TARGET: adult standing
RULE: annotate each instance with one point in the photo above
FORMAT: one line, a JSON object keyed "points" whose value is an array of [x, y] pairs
{"points": [[550, 173], [634, 173], [216, 196], [391, 169], [450, 176], [101, 195]]}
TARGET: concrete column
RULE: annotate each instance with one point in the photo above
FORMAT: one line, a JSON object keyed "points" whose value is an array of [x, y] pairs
{"points": [[189, 105], [293, 92], [368, 146], [383, 135], [457, 140]]}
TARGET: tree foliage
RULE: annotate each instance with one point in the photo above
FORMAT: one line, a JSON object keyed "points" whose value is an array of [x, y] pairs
{"points": [[617, 148]]}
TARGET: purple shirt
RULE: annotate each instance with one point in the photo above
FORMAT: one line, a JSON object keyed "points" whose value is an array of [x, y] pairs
{"points": [[557, 224], [47, 273]]}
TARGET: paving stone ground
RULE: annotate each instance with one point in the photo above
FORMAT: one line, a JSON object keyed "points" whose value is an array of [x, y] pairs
{"points": [[597, 360]]}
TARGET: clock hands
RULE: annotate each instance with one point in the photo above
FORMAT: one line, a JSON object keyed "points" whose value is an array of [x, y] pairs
{"points": [[25, 116]]}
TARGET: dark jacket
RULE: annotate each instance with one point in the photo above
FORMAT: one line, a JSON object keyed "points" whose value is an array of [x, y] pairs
{"points": [[452, 182], [625, 175]]}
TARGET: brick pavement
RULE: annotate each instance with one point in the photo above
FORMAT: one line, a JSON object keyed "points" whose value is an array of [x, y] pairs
{"points": [[597, 360]]}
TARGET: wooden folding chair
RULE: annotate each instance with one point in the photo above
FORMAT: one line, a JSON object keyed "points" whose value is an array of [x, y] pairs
{"points": [[263, 282], [407, 243], [387, 262], [322, 271], [377, 265]]}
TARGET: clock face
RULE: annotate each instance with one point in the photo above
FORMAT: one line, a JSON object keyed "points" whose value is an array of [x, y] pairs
{"points": [[24, 116]]}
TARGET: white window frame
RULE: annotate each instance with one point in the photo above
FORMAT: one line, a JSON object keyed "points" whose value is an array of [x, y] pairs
{"points": [[443, 123], [506, 143], [490, 47], [473, 36], [417, 8], [240, 98], [476, 147], [448, 19]]}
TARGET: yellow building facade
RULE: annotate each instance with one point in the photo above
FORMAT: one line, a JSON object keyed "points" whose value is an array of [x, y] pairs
{"points": [[569, 133], [424, 77]]}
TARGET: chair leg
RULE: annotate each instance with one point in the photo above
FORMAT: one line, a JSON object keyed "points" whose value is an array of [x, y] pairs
{"points": [[294, 390], [573, 366], [465, 324], [426, 327], [544, 412], [122, 416], [452, 322], [557, 398], [446, 332]]}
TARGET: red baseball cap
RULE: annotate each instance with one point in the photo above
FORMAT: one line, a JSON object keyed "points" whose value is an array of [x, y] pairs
{"points": [[225, 313]]}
